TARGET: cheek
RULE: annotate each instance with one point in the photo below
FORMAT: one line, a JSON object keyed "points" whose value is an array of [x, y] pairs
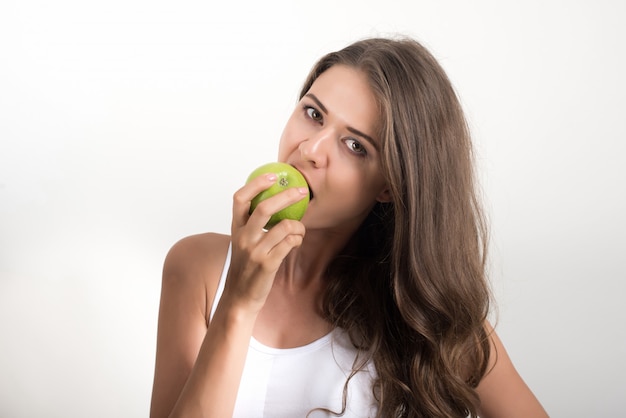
{"points": [[354, 185], [370, 184]]}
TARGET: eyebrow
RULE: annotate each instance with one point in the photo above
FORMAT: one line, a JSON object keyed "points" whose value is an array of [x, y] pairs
{"points": [[351, 129]]}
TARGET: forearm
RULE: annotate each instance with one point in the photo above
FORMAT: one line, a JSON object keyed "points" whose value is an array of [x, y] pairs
{"points": [[211, 388]]}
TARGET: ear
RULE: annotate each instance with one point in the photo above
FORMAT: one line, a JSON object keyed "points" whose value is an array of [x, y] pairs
{"points": [[384, 196]]}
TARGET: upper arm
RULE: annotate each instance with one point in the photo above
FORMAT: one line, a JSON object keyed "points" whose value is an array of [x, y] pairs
{"points": [[190, 275], [502, 391]]}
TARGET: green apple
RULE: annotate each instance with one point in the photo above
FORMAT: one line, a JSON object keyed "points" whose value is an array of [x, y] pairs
{"points": [[288, 176]]}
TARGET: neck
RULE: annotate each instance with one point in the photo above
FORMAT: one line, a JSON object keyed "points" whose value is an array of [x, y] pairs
{"points": [[307, 264]]}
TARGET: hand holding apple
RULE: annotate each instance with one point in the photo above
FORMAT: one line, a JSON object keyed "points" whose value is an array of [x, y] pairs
{"points": [[288, 176]]}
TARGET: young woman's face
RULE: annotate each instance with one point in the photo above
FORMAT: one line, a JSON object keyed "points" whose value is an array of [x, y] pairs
{"points": [[332, 138]]}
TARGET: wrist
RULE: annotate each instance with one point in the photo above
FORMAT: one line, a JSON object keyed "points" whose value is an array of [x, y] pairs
{"points": [[235, 315]]}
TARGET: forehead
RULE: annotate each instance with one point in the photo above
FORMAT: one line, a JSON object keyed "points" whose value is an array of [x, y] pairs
{"points": [[346, 93]]}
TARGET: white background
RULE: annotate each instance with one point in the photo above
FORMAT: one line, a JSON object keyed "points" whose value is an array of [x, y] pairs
{"points": [[126, 125]]}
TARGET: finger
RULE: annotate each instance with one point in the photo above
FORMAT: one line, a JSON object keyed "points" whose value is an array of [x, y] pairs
{"points": [[275, 244], [243, 197], [268, 207], [255, 266]]}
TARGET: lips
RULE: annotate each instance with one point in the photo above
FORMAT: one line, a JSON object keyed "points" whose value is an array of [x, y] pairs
{"points": [[311, 194]]}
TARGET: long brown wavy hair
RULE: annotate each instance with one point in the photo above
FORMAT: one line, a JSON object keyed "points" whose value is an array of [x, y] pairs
{"points": [[411, 287]]}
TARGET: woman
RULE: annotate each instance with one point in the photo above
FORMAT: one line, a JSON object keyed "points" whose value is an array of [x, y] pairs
{"points": [[376, 303]]}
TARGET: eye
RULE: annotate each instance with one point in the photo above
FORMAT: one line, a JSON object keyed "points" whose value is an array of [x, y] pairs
{"points": [[313, 113], [356, 147]]}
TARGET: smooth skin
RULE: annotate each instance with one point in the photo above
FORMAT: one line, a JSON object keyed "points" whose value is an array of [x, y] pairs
{"points": [[275, 282]]}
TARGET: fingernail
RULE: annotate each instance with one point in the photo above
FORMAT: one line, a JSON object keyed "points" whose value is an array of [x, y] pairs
{"points": [[303, 190], [271, 177]]}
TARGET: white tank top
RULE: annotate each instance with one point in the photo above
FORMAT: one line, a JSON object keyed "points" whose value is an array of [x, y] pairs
{"points": [[289, 383]]}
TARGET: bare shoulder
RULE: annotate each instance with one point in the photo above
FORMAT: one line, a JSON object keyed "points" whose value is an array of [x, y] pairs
{"points": [[196, 251], [194, 265], [502, 391], [191, 273]]}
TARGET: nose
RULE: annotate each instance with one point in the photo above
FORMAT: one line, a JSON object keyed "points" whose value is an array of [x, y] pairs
{"points": [[317, 147]]}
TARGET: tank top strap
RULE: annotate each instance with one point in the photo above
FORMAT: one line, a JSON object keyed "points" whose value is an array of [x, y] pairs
{"points": [[222, 282]]}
